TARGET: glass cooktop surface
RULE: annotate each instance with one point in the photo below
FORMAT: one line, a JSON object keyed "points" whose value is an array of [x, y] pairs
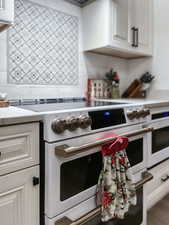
{"points": [[68, 105]]}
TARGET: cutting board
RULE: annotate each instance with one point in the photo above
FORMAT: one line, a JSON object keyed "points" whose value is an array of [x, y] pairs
{"points": [[4, 104]]}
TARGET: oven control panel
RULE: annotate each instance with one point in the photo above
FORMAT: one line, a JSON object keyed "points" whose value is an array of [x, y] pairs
{"points": [[71, 123], [68, 125]]}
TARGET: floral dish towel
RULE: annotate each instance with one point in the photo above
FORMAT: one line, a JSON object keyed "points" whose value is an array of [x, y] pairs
{"points": [[116, 190]]}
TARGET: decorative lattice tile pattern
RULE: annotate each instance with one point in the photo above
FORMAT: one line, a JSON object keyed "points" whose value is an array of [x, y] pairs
{"points": [[43, 46]]}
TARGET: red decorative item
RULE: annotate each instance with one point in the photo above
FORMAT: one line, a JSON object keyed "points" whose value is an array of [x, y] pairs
{"points": [[107, 198], [118, 144], [116, 191]]}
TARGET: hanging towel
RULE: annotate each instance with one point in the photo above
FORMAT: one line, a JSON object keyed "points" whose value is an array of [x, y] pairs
{"points": [[116, 190]]}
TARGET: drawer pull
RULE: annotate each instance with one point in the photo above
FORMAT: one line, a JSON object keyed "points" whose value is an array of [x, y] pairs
{"points": [[165, 178], [35, 181]]}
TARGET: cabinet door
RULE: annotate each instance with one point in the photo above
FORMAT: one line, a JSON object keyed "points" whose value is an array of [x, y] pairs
{"points": [[19, 199], [121, 22], [6, 11], [143, 21]]}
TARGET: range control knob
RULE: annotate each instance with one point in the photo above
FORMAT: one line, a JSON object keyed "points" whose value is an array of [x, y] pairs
{"points": [[85, 121], [145, 113], [142, 113], [139, 114], [59, 126], [72, 123], [131, 115]]}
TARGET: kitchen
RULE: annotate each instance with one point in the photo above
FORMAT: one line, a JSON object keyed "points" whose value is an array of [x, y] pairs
{"points": [[53, 124]]}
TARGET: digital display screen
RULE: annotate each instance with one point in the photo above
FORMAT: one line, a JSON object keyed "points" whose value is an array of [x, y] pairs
{"points": [[102, 119], [160, 115]]}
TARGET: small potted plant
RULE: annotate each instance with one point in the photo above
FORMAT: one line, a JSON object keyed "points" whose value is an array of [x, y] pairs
{"points": [[113, 83]]}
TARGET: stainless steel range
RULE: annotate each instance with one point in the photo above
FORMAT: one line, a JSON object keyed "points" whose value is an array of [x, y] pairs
{"points": [[73, 135]]}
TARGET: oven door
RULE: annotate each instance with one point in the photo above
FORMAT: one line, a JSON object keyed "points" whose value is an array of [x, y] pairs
{"points": [[86, 212], [72, 174], [158, 141]]}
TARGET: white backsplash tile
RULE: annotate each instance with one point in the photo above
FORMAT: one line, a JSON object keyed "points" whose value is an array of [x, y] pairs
{"points": [[43, 46], [90, 65]]}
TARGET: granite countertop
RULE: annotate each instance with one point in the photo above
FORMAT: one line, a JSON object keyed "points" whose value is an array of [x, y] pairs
{"points": [[13, 115]]}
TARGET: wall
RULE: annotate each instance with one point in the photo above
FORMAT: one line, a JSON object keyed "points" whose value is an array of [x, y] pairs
{"points": [[159, 64], [89, 65], [96, 65]]}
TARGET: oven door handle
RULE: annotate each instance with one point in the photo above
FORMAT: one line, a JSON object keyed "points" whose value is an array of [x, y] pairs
{"points": [[82, 220], [67, 151], [146, 176]]}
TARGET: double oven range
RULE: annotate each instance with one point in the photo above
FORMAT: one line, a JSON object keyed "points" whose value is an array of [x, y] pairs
{"points": [[73, 135], [158, 144]]}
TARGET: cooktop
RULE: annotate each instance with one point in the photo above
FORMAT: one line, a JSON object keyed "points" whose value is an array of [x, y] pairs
{"points": [[68, 105]]}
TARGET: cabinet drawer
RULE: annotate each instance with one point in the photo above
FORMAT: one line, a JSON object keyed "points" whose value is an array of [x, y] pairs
{"points": [[161, 176], [159, 186], [19, 147]]}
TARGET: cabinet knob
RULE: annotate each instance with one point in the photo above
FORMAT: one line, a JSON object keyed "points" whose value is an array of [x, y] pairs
{"points": [[35, 181]]}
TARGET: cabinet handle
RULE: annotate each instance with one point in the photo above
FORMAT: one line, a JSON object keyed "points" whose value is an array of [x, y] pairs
{"points": [[133, 37], [35, 181], [137, 37], [165, 178]]}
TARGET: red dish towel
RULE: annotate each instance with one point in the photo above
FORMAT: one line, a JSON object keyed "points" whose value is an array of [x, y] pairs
{"points": [[116, 190]]}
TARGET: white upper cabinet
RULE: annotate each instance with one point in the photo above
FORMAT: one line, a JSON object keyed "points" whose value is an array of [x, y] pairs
{"points": [[143, 22], [120, 19], [6, 13], [118, 27]]}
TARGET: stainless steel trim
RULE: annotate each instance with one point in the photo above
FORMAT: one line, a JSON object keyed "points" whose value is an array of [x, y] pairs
{"points": [[157, 105], [4, 26], [67, 151], [96, 212]]}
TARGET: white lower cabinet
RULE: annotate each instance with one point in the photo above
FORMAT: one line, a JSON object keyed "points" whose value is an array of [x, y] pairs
{"points": [[19, 198]]}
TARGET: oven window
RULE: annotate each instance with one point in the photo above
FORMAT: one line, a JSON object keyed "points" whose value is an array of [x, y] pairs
{"points": [[79, 175], [135, 151], [160, 139], [133, 217]]}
